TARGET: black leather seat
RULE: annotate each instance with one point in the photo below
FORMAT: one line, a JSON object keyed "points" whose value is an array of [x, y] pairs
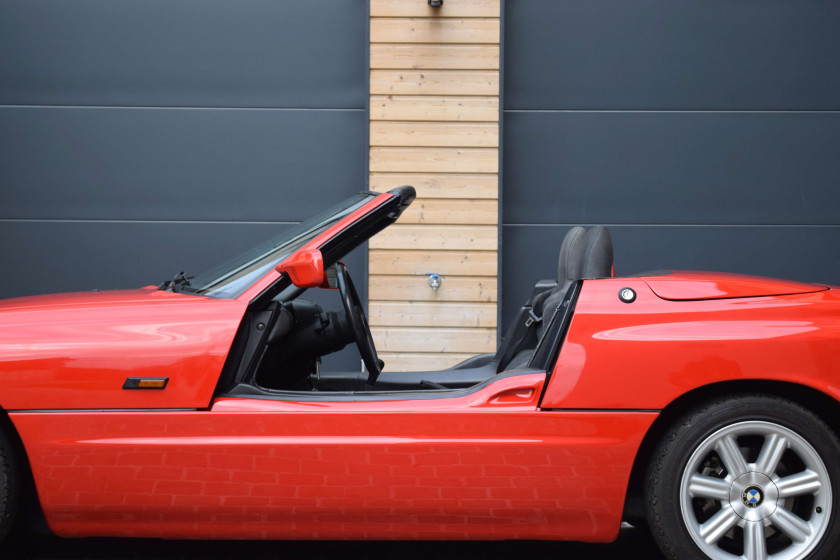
{"points": [[583, 255]]}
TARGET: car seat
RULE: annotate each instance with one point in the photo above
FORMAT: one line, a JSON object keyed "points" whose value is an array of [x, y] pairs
{"points": [[583, 255]]}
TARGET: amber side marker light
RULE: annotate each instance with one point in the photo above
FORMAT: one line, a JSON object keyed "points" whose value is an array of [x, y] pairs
{"points": [[145, 383]]}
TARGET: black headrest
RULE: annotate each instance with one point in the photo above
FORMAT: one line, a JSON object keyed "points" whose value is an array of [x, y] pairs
{"points": [[597, 259], [570, 263]]}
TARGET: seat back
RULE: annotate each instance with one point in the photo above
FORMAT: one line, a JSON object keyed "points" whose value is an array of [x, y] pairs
{"points": [[520, 335], [597, 257], [570, 266], [583, 255]]}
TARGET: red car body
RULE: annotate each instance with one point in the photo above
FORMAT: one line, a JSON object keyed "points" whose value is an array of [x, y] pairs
{"points": [[534, 455]]}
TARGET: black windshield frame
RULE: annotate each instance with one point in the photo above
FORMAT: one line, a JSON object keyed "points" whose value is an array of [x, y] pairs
{"points": [[233, 277]]}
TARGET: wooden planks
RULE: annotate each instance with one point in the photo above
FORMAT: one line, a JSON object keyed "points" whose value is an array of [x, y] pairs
{"points": [[454, 8], [433, 314], [434, 124], [434, 30], [424, 108], [412, 339], [434, 82], [439, 57], [430, 211], [440, 186], [418, 263], [435, 160], [434, 134], [480, 289], [437, 237]]}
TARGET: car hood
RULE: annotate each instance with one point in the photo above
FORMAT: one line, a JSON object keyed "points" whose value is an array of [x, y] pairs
{"points": [[94, 298], [76, 350], [691, 285]]}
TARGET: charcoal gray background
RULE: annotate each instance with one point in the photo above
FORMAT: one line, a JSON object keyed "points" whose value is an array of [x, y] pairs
{"points": [[138, 139], [141, 138], [705, 134]]}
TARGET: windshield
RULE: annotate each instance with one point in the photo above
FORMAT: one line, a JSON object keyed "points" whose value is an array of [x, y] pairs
{"points": [[230, 279]]}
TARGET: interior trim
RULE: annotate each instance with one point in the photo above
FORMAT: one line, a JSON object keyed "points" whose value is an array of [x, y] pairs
{"points": [[247, 391]]}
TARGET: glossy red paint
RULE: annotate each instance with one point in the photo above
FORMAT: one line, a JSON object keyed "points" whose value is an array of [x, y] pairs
{"points": [[487, 465], [273, 275], [305, 268], [493, 462], [76, 350], [645, 354], [691, 285], [72, 351]]}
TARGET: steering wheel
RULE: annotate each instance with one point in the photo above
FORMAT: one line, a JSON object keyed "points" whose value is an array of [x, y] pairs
{"points": [[358, 323]]}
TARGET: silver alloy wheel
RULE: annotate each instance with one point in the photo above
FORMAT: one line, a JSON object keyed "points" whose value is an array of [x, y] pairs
{"points": [[776, 507]]}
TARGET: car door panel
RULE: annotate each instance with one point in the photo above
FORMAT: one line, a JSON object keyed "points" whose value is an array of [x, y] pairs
{"points": [[483, 464]]}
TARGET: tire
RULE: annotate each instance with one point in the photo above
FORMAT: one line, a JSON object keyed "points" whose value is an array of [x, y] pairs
{"points": [[747, 476], [9, 481]]}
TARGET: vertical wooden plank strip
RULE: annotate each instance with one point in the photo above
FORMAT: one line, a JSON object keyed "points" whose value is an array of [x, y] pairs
{"points": [[423, 90]]}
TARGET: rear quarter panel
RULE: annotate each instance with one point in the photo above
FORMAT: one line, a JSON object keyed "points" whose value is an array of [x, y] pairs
{"points": [[645, 354]]}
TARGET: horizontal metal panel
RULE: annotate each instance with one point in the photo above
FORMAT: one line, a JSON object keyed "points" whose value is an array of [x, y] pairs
{"points": [[667, 168], [672, 54], [51, 257], [46, 256], [795, 253], [178, 164], [253, 53]]}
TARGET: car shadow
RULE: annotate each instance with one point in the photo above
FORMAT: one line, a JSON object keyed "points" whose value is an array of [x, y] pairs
{"points": [[632, 544]]}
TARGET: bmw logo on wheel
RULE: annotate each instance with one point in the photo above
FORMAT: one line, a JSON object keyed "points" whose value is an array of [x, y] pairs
{"points": [[752, 497]]}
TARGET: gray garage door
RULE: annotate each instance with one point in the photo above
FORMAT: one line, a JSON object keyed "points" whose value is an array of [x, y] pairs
{"points": [[140, 138], [705, 134]]}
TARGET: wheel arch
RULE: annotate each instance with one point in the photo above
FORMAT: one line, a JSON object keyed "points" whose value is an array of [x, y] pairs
{"points": [[30, 515], [824, 406]]}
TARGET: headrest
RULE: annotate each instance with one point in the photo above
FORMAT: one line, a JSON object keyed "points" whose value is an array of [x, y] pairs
{"points": [[570, 263], [597, 259]]}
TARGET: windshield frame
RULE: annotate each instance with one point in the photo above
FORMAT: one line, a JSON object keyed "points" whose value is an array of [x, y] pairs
{"points": [[236, 276]]}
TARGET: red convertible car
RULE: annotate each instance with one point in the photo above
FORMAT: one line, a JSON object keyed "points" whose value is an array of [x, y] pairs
{"points": [[704, 405]]}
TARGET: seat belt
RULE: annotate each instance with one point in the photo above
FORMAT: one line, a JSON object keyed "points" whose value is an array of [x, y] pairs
{"points": [[532, 318], [529, 316]]}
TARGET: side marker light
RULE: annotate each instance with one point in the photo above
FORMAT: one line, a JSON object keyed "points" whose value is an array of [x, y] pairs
{"points": [[145, 383]]}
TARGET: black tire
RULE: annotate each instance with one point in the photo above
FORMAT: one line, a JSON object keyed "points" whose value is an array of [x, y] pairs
{"points": [[9, 480], [692, 498]]}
